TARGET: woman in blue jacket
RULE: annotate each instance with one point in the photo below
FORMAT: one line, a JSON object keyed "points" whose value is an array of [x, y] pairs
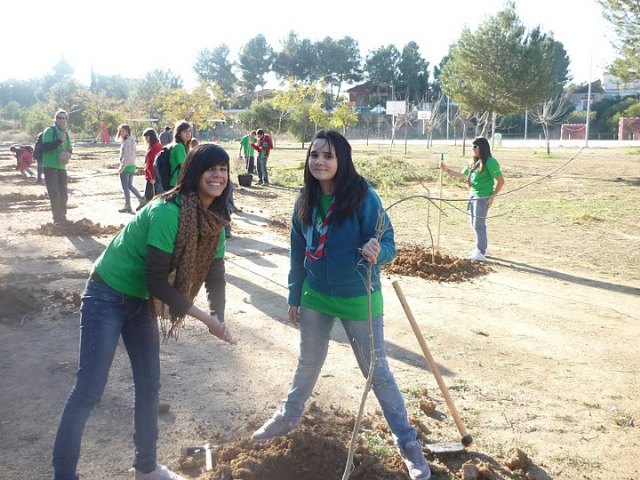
{"points": [[333, 243]]}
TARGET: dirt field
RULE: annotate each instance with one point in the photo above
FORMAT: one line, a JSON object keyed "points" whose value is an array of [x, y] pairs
{"points": [[540, 352]]}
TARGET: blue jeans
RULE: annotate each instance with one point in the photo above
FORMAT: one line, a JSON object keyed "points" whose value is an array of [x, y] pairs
{"points": [[478, 209], [315, 328], [263, 176], [105, 316], [126, 180]]}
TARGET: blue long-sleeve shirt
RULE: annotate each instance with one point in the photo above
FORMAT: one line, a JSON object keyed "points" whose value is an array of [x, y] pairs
{"points": [[341, 271]]}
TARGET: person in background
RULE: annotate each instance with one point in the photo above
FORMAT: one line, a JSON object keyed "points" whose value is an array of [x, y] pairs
{"points": [[193, 142], [484, 179], [56, 152], [246, 151], [128, 168], [166, 137], [263, 146], [153, 148], [179, 149], [129, 293], [339, 231], [24, 159]]}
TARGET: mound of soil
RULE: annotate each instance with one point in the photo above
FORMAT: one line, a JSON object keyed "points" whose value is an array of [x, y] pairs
{"points": [[17, 302], [83, 227], [416, 261], [317, 450]]}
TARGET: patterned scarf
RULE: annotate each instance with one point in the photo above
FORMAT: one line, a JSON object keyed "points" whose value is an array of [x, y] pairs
{"points": [[196, 244], [312, 257]]}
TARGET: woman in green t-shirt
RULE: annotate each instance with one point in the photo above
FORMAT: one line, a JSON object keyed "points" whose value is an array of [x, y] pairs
{"points": [[485, 180], [129, 294]]}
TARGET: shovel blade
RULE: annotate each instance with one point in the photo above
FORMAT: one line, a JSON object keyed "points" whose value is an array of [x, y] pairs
{"points": [[452, 447]]}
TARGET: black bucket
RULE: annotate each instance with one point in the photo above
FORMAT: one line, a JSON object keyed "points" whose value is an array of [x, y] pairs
{"points": [[245, 179]]}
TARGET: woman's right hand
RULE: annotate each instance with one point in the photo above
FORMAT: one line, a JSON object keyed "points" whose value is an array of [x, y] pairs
{"points": [[219, 329], [294, 314]]}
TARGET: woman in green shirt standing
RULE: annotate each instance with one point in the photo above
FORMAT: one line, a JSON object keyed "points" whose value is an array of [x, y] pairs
{"points": [[485, 180], [179, 149], [129, 295]]}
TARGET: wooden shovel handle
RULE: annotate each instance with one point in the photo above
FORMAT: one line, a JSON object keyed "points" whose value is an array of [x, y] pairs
{"points": [[466, 438]]}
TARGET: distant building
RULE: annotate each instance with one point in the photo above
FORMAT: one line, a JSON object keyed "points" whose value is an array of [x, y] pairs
{"points": [[580, 95], [615, 87]]}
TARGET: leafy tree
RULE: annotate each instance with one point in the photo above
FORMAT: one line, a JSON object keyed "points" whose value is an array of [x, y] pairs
{"points": [[291, 100], [343, 117], [261, 115], [255, 60], [413, 78], [113, 86], [21, 91], [624, 15], [199, 106], [338, 62], [214, 66], [382, 69], [501, 68], [298, 59]]}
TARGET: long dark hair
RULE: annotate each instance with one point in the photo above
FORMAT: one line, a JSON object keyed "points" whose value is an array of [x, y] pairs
{"points": [[484, 150], [153, 136], [200, 159], [181, 127], [349, 187]]}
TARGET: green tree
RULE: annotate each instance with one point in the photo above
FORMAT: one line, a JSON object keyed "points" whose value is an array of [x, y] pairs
{"points": [[413, 77], [255, 60], [200, 106], [502, 69], [343, 117], [338, 62], [261, 115], [214, 66], [298, 59], [624, 16], [382, 69]]}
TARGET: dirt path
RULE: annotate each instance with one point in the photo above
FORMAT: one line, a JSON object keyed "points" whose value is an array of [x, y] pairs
{"points": [[547, 365]]}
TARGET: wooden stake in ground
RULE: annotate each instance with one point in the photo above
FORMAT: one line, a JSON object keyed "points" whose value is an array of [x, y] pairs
{"points": [[439, 204]]}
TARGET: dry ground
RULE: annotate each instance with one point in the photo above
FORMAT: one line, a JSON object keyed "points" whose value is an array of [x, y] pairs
{"points": [[540, 352]]}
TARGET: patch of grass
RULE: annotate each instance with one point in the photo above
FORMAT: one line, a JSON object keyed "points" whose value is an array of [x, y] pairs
{"points": [[576, 461], [623, 420], [289, 176], [585, 218], [377, 446], [592, 405], [388, 171]]}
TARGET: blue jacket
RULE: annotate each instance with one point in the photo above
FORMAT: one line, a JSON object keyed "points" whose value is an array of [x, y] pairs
{"points": [[341, 271]]}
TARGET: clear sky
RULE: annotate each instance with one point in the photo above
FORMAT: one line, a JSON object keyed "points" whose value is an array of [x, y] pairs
{"points": [[133, 37]]}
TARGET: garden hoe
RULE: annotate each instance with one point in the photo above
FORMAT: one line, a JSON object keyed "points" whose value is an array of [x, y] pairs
{"points": [[195, 451], [466, 439]]}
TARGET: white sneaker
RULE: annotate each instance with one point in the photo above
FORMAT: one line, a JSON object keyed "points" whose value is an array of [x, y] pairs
{"points": [[160, 473], [276, 426], [477, 257]]}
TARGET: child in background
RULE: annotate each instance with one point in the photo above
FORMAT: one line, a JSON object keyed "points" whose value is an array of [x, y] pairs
{"points": [[24, 159]]}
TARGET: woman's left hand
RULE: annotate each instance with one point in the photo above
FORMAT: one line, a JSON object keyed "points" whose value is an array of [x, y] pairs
{"points": [[370, 250]]}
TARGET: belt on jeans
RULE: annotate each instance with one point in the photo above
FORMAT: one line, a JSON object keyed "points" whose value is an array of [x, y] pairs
{"points": [[97, 278]]}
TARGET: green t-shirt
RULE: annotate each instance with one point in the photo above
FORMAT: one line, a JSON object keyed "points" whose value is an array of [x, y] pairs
{"points": [[247, 149], [129, 169], [346, 308], [51, 159], [176, 158], [122, 263], [482, 182]]}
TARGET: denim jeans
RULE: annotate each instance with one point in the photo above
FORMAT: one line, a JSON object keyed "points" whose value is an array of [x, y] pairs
{"points": [[105, 316], [56, 182], [478, 209], [315, 328], [126, 179], [263, 176]]}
